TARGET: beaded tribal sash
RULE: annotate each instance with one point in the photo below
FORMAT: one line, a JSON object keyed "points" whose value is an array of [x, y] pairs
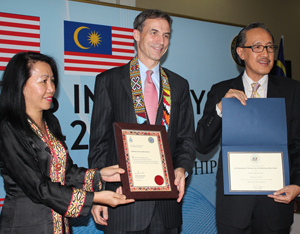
{"points": [[138, 97]]}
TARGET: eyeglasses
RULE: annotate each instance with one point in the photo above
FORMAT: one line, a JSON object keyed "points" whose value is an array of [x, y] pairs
{"points": [[260, 48]]}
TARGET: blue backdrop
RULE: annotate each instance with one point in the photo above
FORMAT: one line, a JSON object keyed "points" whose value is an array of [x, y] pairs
{"points": [[199, 51]]}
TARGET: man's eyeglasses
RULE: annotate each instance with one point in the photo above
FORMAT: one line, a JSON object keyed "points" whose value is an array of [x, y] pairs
{"points": [[260, 48]]}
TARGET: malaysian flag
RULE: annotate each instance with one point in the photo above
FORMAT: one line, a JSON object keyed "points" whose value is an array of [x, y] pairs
{"points": [[1, 202], [280, 64], [91, 49], [18, 33]]}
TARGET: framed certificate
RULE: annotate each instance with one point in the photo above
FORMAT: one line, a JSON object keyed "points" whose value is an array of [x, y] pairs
{"points": [[145, 155]]}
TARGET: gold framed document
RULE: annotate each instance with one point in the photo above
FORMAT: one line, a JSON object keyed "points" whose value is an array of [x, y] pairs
{"points": [[145, 155]]}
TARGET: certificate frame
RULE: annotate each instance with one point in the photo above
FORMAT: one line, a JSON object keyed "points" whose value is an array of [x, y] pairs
{"points": [[163, 186], [257, 181]]}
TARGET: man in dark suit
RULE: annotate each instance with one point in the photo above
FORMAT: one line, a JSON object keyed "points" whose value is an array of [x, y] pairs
{"points": [[245, 213], [119, 97]]}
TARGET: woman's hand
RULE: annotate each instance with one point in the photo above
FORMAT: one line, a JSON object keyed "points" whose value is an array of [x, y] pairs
{"points": [[112, 173], [111, 198]]}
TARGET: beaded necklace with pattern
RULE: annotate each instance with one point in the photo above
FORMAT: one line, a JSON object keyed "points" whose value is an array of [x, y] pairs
{"points": [[138, 97]]}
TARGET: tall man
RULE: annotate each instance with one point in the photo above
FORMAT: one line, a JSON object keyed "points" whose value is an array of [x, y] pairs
{"points": [[254, 214], [121, 95]]}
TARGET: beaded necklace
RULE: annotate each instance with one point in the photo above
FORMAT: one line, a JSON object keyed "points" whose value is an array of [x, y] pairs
{"points": [[138, 97]]}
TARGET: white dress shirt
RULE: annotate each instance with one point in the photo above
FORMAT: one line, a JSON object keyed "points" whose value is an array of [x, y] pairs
{"points": [[263, 88], [155, 76]]}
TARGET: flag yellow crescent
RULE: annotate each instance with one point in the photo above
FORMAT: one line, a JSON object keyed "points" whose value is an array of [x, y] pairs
{"points": [[76, 37]]}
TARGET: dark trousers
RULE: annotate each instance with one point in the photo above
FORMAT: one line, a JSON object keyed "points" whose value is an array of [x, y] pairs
{"points": [[258, 223], [156, 226]]}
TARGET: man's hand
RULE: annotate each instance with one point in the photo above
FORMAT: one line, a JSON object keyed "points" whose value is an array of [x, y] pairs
{"points": [[233, 93], [98, 209], [291, 191], [119, 190], [180, 182], [96, 212]]}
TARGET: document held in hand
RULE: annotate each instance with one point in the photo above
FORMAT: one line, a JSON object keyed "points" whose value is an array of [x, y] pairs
{"points": [[254, 146]]}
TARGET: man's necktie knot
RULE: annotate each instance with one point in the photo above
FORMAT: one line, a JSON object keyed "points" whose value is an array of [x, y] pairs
{"points": [[149, 74]]}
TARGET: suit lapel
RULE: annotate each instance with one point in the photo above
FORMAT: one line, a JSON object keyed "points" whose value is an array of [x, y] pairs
{"points": [[160, 104], [273, 88], [237, 83], [126, 84], [125, 80]]}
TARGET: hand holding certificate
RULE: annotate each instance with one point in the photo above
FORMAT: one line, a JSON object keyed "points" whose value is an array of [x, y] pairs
{"points": [[144, 154], [254, 146]]}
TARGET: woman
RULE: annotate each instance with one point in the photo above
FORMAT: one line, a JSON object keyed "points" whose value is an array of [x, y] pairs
{"points": [[43, 186]]}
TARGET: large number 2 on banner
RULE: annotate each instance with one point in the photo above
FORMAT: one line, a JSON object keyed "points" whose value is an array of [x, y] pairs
{"points": [[76, 145], [88, 95]]}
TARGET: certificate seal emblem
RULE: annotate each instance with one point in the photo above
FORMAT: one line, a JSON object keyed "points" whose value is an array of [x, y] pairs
{"points": [[151, 140], [254, 158], [159, 180]]}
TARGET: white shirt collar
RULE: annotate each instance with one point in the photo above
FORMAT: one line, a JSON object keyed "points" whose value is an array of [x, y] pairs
{"points": [[143, 69], [248, 81], [262, 90]]}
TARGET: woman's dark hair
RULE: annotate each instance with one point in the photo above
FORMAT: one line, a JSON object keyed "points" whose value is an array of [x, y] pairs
{"points": [[12, 101], [139, 21]]}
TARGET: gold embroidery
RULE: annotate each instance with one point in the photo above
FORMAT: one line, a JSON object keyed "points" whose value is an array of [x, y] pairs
{"points": [[67, 226], [57, 174], [57, 223], [88, 180], [76, 204]]}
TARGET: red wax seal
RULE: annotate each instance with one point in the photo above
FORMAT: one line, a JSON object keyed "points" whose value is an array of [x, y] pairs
{"points": [[159, 180]]}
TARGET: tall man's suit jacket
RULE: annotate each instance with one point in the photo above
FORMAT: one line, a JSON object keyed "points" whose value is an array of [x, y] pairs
{"points": [[113, 103], [234, 210]]}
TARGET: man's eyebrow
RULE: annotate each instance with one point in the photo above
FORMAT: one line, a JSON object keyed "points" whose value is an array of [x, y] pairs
{"points": [[259, 42], [154, 29]]}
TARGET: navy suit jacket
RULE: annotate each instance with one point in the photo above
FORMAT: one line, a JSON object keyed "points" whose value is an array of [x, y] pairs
{"points": [[113, 103], [235, 210]]}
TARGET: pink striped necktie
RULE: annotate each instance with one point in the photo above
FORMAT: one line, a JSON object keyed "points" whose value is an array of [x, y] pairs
{"points": [[150, 96]]}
